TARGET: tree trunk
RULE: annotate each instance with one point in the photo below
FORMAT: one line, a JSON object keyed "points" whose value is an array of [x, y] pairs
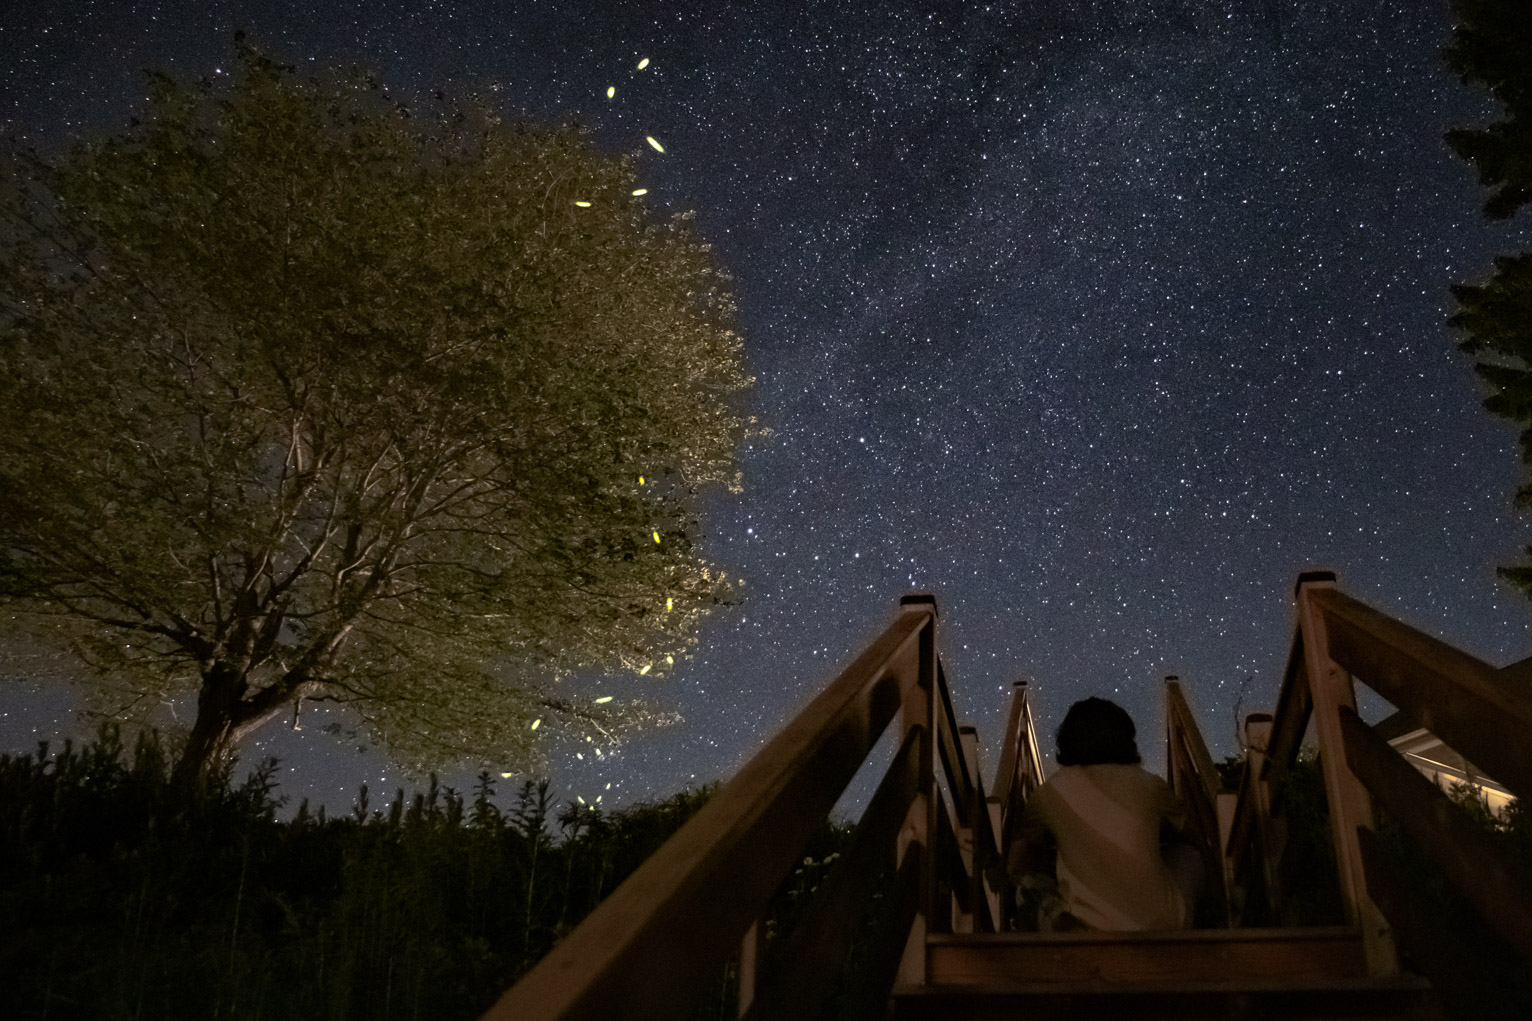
{"points": [[224, 720]]}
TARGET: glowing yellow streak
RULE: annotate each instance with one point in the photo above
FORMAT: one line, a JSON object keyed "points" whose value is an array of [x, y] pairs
{"points": [[582, 800], [656, 537], [646, 669], [536, 723], [657, 147], [670, 603], [583, 205], [640, 191], [670, 660], [603, 699], [611, 90], [640, 480], [643, 63], [580, 756], [506, 776]]}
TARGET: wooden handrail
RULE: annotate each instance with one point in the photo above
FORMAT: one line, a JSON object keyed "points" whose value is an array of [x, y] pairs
{"points": [[1480, 712], [1332, 690], [1295, 705], [1499, 886], [1291, 719], [1462, 700], [1184, 734], [807, 966], [1193, 776], [959, 777], [675, 921], [1010, 751], [1257, 827], [1021, 764]]}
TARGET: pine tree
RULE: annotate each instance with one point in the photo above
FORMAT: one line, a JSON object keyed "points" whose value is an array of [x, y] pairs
{"points": [[1490, 48]]}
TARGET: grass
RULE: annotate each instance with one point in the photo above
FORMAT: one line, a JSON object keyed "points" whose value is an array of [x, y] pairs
{"points": [[119, 901]]}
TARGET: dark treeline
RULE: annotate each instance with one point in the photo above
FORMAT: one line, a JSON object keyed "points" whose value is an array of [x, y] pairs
{"points": [[120, 900]]}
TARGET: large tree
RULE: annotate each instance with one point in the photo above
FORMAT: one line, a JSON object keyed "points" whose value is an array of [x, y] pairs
{"points": [[1492, 47], [307, 395]]}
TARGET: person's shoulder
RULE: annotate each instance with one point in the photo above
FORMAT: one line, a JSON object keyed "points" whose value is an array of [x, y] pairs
{"points": [[1128, 776]]}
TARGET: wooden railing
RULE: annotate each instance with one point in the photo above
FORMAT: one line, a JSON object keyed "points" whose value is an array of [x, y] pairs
{"points": [[1479, 711], [1019, 774], [653, 946], [1192, 775]]}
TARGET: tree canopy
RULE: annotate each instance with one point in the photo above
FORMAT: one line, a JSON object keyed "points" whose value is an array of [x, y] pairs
{"points": [[1490, 48], [305, 394]]}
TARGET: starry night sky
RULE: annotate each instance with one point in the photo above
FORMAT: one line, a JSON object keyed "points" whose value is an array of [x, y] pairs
{"points": [[1098, 320]]}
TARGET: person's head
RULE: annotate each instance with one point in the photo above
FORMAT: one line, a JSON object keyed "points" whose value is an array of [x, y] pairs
{"points": [[1096, 731]]}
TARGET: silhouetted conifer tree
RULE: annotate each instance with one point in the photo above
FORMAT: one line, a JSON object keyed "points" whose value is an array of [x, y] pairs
{"points": [[1492, 47]]}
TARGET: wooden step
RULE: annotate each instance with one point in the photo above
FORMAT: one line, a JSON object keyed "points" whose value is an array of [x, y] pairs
{"points": [[1212, 973]]}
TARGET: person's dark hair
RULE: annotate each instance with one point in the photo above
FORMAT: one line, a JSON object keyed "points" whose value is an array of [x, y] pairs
{"points": [[1097, 731]]}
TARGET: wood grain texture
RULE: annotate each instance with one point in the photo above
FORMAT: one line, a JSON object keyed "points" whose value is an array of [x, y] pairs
{"points": [[680, 916], [1483, 714], [1496, 883]]}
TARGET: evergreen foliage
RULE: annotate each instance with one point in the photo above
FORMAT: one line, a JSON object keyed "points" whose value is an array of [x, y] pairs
{"points": [[119, 898], [308, 395], [1489, 48]]}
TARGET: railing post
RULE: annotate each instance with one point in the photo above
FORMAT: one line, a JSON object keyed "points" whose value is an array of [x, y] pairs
{"points": [[1258, 728], [917, 712], [1350, 807]]}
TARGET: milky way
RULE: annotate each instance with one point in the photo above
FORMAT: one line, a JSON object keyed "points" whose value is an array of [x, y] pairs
{"points": [[1099, 321]]}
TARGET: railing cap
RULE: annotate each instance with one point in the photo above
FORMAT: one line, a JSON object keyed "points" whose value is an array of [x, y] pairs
{"points": [[1320, 577], [918, 601]]}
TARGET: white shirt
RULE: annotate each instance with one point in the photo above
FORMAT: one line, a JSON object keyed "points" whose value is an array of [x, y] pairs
{"points": [[1106, 819]]}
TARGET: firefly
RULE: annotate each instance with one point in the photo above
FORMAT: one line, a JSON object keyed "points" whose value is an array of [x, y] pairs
{"points": [[640, 480], [582, 800], [656, 537], [580, 756], [646, 669], [506, 776], [603, 699], [611, 90], [670, 661], [643, 63], [537, 723], [583, 205], [656, 146], [669, 604], [640, 191]]}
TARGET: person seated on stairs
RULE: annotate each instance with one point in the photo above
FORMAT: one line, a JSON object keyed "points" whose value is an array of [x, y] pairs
{"points": [[1106, 814]]}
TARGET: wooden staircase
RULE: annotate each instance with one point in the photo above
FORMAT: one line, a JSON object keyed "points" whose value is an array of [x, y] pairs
{"points": [[931, 847]]}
